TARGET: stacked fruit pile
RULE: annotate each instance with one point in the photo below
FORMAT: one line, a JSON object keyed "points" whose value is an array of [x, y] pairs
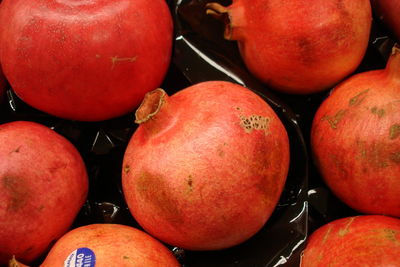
{"points": [[234, 162]]}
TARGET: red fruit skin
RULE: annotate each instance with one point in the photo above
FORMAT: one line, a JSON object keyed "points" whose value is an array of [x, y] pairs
{"points": [[301, 47], [368, 240], [199, 174], [43, 185], [388, 11], [112, 245], [355, 139], [85, 60]]}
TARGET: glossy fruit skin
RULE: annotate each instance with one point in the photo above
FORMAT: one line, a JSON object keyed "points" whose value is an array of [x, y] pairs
{"points": [[300, 47], [85, 60], [355, 139], [112, 245], [43, 185], [206, 171], [388, 11], [368, 240]]}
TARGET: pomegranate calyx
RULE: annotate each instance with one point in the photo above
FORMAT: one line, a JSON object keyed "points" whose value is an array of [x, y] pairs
{"points": [[393, 65], [14, 263], [221, 13], [150, 105]]}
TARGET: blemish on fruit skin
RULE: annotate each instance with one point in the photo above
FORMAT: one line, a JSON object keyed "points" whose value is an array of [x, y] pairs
{"points": [[17, 191], [380, 112], [391, 234], [116, 59], [335, 119], [394, 131], [395, 157], [190, 183], [254, 122], [127, 169], [325, 238], [154, 191], [16, 150], [342, 232], [356, 100]]}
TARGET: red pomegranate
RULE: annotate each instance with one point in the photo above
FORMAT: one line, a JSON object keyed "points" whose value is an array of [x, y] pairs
{"points": [[85, 60], [368, 240], [105, 245], [43, 185], [206, 166], [355, 139], [298, 46], [388, 11]]}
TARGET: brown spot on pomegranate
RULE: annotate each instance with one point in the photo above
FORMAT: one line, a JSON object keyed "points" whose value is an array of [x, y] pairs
{"points": [[394, 131], [380, 112], [325, 238], [17, 190], [391, 234], [335, 119], [16, 150], [342, 232], [57, 165], [357, 99], [306, 51], [254, 122], [190, 183], [395, 157], [127, 168], [154, 190]]}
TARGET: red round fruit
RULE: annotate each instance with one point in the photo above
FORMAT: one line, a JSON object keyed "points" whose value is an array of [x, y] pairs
{"points": [[85, 60], [105, 245], [205, 168], [355, 139], [388, 11], [43, 185], [299, 47], [368, 240]]}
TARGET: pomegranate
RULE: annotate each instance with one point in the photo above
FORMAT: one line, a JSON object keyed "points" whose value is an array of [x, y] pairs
{"points": [[298, 46], [355, 139], [104, 245], [85, 60], [388, 12], [367, 240], [205, 168], [43, 184]]}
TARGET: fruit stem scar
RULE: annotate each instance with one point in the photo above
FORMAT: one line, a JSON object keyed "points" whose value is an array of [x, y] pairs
{"points": [[116, 59]]}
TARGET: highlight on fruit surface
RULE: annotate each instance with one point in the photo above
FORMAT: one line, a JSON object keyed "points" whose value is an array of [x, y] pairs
{"points": [[105, 245], [367, 240], [85, 60], [355, 139], [298, 47], [43, 185], [206, 166]]}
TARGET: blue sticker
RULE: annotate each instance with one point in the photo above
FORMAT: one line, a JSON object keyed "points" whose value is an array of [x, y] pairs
{"points": [[81, 257]]}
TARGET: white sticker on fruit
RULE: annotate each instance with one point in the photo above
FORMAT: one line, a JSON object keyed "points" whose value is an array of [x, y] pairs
{"points": [[81, 257]]}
